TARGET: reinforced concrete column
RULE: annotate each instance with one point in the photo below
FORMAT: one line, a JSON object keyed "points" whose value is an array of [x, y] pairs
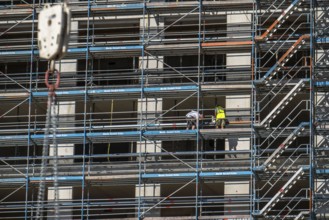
{"points": [[238, 25], [149, 109], [66, 118]]}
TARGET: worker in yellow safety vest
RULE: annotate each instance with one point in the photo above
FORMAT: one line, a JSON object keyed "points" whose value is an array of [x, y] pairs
{"points": [[220, 117]]}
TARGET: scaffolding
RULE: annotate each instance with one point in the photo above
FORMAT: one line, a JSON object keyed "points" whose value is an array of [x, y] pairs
{"points": [[134, 68]]}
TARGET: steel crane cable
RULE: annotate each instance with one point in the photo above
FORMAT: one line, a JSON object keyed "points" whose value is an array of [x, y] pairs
{"points": [[44, 161], [50, 128], [54, 123]]}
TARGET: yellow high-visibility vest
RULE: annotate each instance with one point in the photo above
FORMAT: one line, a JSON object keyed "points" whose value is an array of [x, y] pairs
{"points": [[220, 113]]}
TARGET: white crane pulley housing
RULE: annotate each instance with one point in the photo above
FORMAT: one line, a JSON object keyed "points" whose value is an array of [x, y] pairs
{"points": [[53, 31]]}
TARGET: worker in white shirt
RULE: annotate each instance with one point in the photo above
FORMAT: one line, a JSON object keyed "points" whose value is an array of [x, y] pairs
{"points": [[192, 119]]}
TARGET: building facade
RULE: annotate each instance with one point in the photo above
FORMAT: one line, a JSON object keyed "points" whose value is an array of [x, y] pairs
{"points": [[115, 143]]}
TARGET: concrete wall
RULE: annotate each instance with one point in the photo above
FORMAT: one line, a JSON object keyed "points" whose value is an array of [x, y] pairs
{"points": [[149, 109], [236, 102]]}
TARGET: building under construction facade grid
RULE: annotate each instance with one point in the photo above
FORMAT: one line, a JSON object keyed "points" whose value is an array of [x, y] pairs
{"points": [[117, 144]]}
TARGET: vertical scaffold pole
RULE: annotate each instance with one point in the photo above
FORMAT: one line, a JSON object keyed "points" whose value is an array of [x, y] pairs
{"points": [[312, 116], [85, 117], [139, 213], [29, 118], [198, 123], [253, 110]]}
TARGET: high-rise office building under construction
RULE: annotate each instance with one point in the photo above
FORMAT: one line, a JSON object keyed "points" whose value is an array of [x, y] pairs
{"points": [[105, 134]]}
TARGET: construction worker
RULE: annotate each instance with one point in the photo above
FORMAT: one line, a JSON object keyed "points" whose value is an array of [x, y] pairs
{"points": [[220, 117], [192, 118]]}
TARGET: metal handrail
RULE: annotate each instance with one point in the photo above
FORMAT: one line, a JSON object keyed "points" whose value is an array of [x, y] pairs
{"points": [[293, 199], [280, 85], [269, 9], [280, 172], [278, 127], [285, 40]]}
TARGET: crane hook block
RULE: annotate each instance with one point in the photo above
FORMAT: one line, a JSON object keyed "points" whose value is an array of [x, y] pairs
{"points": [[53, 31]]}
